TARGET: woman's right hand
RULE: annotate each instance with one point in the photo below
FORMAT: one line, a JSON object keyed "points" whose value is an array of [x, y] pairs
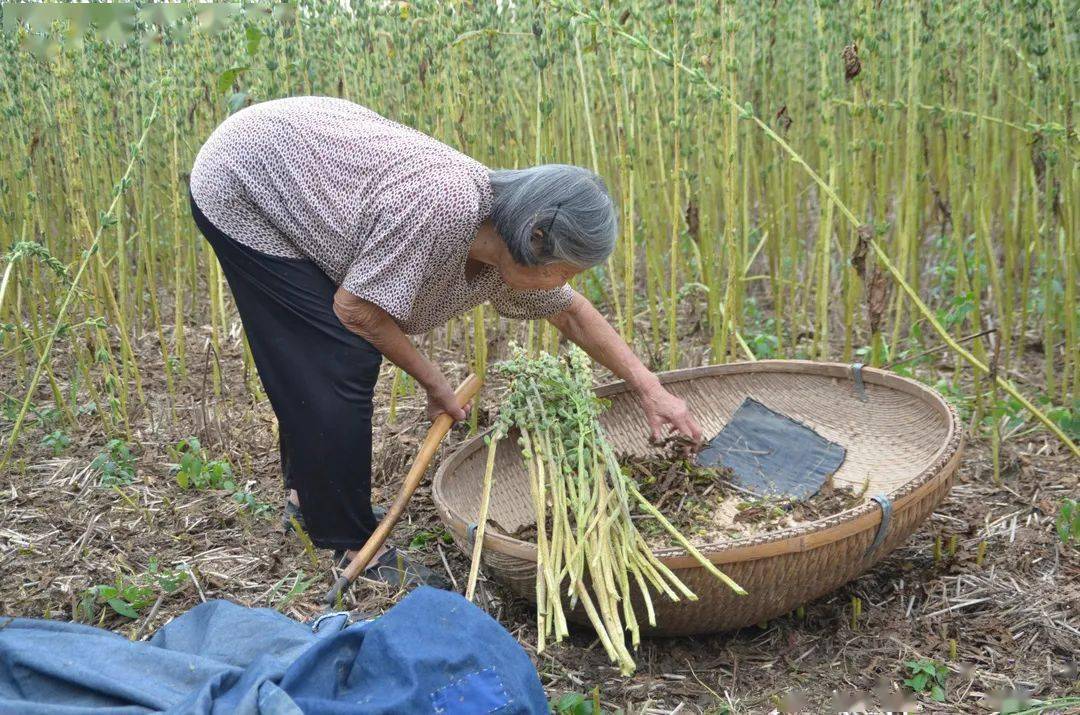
{"points": [[373, 324], [441, 398]]}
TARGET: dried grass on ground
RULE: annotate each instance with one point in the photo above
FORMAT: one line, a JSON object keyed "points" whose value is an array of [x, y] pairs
{"points": [[1008, 622]]}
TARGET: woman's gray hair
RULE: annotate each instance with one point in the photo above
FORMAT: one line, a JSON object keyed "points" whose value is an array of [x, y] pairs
{"points": [[554, 212]]}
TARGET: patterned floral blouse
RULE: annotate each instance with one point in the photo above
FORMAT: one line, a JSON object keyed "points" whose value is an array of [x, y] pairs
{"points": [[388, 213]]}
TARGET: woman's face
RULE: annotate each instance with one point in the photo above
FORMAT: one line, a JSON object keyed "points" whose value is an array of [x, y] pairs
{"points": [[546, 277]]}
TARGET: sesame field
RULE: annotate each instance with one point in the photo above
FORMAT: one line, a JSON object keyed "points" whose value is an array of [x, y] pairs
{"points": [[894, 184]]}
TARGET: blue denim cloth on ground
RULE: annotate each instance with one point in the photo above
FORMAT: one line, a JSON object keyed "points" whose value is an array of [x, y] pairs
{"points": [[772, 454], [432, 653]]}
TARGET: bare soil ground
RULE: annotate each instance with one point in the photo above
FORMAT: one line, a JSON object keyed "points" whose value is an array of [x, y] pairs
{"points": [[1009, 621]]}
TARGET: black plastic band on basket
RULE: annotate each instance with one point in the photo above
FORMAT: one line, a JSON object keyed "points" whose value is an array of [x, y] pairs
{"points": [[856, 368], [883, 528]]}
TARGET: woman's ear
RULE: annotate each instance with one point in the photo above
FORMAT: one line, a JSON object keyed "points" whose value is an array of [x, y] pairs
{"points": [[537, 242]]}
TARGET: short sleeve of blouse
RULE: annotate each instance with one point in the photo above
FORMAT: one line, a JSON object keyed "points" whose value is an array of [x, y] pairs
{"points": [[400, 253], [531, 304]]}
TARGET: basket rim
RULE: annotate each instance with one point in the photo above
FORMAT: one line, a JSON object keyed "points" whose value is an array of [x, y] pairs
{"points": [[798, 538]]}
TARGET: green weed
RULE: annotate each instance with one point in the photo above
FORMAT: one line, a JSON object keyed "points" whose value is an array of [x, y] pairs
{"points": [[423, 538], [297, 587], [128, 597], [195, 470], [115, 465], [9, 408], [1067, 524], [46, 416], [927, 676], [577, 704], [57, 441], [252, 503]]}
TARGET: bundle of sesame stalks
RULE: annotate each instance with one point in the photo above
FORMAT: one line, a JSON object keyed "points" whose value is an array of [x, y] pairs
{"points": [[583, 503]]}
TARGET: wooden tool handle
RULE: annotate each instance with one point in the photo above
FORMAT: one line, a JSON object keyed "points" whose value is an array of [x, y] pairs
{"points": [[442, 424]]}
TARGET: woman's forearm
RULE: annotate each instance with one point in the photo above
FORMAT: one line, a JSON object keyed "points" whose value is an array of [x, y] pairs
{"points": [[583, 324], [373, 324]]}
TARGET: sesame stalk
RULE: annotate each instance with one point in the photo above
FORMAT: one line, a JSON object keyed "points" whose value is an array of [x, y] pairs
{"points": [[589, 552]]}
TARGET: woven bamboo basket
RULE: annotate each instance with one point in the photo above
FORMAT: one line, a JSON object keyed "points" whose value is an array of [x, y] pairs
{"points": [[900, 435]]}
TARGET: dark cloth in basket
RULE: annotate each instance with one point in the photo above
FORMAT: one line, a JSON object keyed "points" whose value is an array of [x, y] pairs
{"points": [[772, 454]]}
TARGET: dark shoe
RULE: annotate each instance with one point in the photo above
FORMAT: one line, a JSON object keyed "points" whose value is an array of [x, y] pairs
{"points": [[397, 570], [292, 511]]}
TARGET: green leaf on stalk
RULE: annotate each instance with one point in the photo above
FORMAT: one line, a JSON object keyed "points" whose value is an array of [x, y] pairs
{"points": [[254, 37], [226, 78]]}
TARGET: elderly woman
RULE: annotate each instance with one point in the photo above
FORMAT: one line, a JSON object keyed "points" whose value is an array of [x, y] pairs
{"points": [[341, 233]]}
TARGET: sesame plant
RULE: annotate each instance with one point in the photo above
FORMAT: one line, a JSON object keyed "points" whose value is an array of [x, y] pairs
{"points": [[583, 502], [880, 179]]}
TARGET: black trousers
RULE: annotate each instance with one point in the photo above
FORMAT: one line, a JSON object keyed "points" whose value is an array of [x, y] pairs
{"points": [[320, 379]]}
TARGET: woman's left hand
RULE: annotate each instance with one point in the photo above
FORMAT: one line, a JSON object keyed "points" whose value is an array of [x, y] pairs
{"points": [[582, 323], [663, 408]]}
